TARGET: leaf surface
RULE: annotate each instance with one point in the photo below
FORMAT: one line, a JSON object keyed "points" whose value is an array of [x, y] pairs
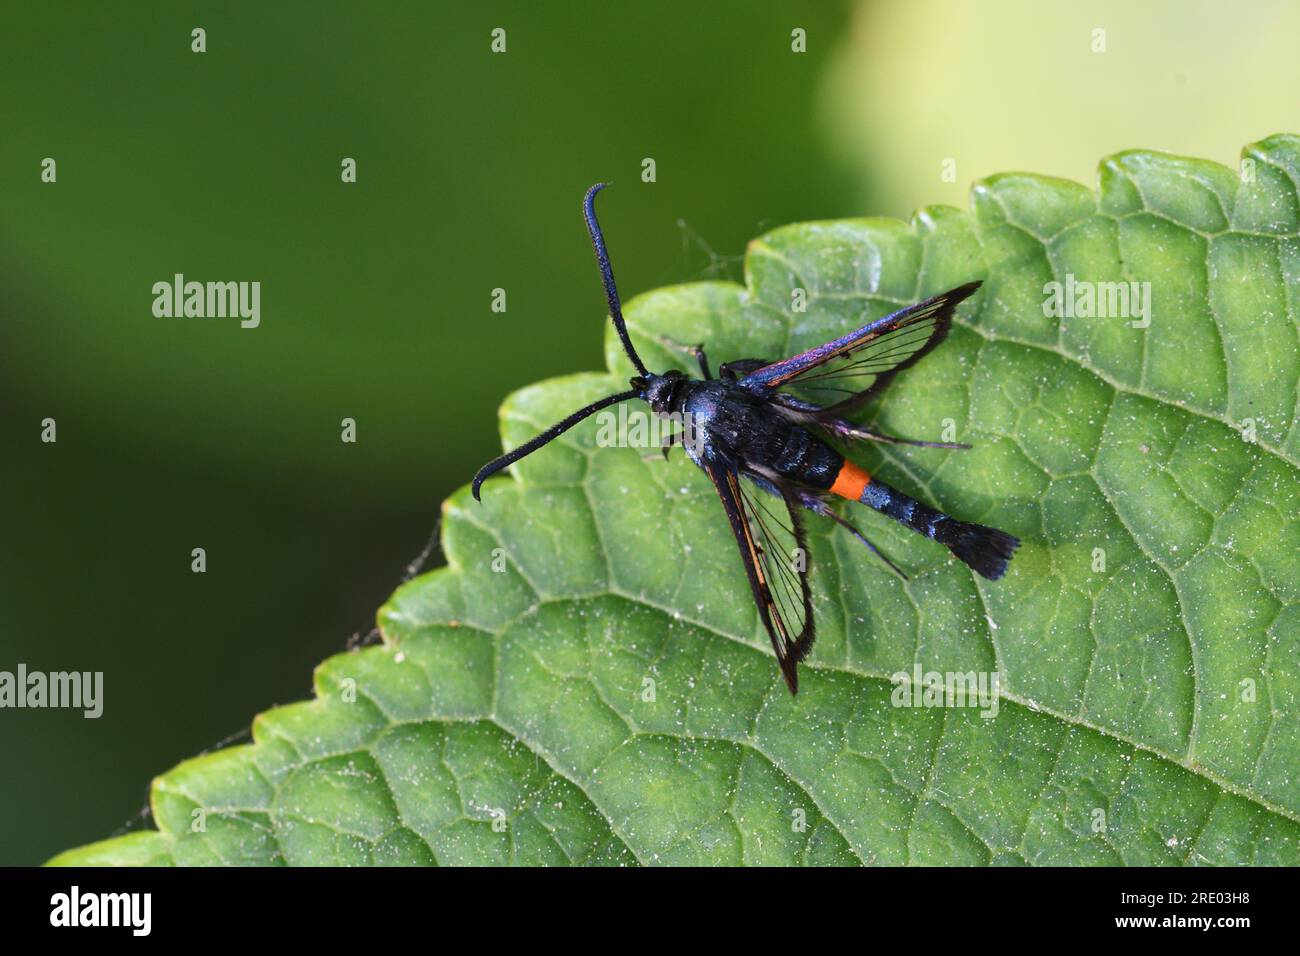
{"points": [[587, 681]]}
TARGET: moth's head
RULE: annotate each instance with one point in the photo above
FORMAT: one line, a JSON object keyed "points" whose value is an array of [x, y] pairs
{"points": [[660, 391]]}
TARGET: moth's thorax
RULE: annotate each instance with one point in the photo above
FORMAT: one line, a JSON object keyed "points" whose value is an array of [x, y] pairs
{"points": [[732, 424], [725, 417]]}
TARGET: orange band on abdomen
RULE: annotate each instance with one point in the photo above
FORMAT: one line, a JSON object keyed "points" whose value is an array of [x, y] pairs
{"points": [[850, 481]]}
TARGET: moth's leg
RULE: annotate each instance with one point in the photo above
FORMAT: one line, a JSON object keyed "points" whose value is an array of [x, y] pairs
{"points": [[850, 431], [674, 438], [697, 351], [815, 504], [740, 367], [702, 359], [666, 445]]}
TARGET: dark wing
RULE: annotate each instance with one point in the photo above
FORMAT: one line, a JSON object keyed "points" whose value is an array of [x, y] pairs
{"points": [[848, 371], [774, 549]]}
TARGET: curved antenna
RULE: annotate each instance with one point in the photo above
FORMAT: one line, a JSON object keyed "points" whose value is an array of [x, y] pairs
{"points": [[607, 276], [555, 431]]}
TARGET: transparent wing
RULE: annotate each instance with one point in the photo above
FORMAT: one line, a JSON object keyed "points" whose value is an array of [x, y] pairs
{"points": [[848, 371], [765, 519]]}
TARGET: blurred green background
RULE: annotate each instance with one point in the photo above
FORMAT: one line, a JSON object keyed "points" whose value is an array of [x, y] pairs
{"points": [[183, 433]]}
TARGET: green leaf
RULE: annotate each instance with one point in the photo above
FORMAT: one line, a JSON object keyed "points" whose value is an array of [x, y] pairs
{"points": [[1147, 635]]}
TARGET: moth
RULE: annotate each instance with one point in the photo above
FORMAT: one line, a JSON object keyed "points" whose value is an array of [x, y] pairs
{"points": [[771, 437]]}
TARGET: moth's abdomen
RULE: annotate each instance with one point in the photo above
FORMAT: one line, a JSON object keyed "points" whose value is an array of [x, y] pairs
{"points": [[904, 509], [803, 458], [986, 550], [850, 482]]}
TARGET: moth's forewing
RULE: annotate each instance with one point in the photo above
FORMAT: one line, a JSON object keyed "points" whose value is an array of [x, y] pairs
{"points": [[774, 551], [848, 371]]}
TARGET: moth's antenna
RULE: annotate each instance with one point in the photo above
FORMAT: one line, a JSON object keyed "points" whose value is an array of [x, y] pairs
{"points": [[607, 276], [555, 431]]}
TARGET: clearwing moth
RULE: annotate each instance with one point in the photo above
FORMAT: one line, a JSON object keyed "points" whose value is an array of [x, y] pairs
{"points": [[767, 434]]}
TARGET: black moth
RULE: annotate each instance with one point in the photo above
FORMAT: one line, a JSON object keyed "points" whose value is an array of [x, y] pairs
{"points": [[777, 425]]}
